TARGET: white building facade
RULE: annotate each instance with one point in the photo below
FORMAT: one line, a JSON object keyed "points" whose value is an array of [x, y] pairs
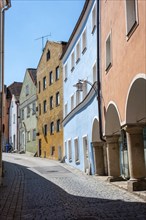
{"points": [[81, 108], [13, 123]]}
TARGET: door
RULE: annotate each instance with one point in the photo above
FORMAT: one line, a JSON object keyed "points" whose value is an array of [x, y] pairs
{"points": [[86, 155], [59, 153], [40, 147]]}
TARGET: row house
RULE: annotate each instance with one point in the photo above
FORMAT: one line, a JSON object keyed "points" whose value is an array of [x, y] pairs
{"points": [[50, 101], [80, 92], [27, 113], [10, 102], [13, 113], [123, 74]]}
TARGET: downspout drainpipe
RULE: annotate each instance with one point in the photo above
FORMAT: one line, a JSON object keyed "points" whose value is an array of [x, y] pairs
{"points": [[98, 74]]}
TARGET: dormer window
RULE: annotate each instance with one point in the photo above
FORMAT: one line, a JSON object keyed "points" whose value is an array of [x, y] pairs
{"points": [[48, 55]]}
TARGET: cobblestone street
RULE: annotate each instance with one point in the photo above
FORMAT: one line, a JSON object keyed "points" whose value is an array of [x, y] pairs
{"points": [[36, 188]]}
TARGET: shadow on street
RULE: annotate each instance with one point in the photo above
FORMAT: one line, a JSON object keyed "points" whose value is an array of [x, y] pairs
{"points": [[26, 195]]}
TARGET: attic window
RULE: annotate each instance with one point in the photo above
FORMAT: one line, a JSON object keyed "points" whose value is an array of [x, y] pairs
{"points": [[48, 55]]}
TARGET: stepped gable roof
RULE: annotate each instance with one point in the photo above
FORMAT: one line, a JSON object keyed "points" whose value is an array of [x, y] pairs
{"points": [[14, 89], [33, 75], [76, 27]]}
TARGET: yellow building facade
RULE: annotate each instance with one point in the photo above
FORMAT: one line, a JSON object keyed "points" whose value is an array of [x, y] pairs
{"points": [[50, 102]]}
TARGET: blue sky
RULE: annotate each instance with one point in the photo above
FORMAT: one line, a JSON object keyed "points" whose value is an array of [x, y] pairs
{"points": [[28, 20]]}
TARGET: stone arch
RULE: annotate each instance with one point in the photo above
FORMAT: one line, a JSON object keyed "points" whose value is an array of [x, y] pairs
{"points": [[136, 100], [95, 130], [98, 149], [112, 120]]}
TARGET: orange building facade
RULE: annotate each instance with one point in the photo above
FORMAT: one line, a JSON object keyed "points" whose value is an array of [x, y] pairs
{"points": [[123, 74], [50, 102]]}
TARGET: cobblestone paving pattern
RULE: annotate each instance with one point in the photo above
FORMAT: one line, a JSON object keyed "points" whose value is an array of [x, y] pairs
{"points": [[62, 195]]}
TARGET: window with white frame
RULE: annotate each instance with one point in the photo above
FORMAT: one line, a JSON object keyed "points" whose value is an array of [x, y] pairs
{"points": [[34, 134], [51, 102], [22, 114], [94, 73], [65, 109], [84, 41], [27, 90], [33, 108], [131, 15], [57, 73], [78, 97], [45, 106], [76, 146], [94, 19], [45, 130], [28, 111], [65, 71], [13, 118], [51, 78], [28, 136], [58, 125], [108, 52], [44, 83], [84, 89], [52, 128], [72, 102], [72, 61], [69, 150], [57, 98], [78, 51], [65, 148], [39, 86]]}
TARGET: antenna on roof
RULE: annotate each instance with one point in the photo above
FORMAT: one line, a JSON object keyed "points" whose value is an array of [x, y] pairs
{"points": [[42, 38]]}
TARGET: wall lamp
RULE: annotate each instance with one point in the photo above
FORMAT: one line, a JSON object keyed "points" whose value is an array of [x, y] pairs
{"points": [[79, 85]]}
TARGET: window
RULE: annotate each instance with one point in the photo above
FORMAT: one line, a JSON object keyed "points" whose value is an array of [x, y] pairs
{"points": [[94, 73], [39, 109], [45, 106], [72, 61], [72, 102], [14, 119], [27, 90], [44, 83], [65, 72], [76, 145], [45, 130], [93, 19], [52, 150], [39, 86], [52, 128], [108, 52], [51, 78], [57, 73], [58, 125], [78, 97], [48, 55], [28, 136], [69, 151], [28, 111], [84, 89], [84, 42], [131, 15], [78, 52], [33, 108], [65, 147], [57, 99], [34, 134], [65, 109], [51, 102], [22, 114]]}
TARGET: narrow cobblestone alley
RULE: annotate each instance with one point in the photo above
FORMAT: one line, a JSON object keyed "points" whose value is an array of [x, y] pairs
{"points": [[35, 188]]}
